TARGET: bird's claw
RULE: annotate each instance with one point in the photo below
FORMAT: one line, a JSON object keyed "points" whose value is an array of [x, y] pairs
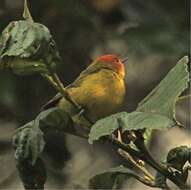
{"points": [[81, 111]]}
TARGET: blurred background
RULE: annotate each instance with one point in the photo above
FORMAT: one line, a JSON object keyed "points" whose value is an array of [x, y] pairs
{"points": [[154, 34]]}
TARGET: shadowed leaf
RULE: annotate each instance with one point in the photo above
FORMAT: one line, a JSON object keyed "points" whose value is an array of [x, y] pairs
{"points": [[29, 139], [178, 156]]}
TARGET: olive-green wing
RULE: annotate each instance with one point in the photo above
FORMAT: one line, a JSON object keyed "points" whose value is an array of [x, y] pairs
{"points": [[94, 67]]}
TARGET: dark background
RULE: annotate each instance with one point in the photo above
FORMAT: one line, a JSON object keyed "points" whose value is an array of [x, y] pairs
{"points": [[154, 34]]}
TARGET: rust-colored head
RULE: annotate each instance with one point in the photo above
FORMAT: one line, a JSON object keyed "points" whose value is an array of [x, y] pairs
{"points": [[115, 62]]}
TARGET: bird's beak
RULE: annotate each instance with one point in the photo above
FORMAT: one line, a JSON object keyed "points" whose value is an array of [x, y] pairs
{"points": [[124, 60]]}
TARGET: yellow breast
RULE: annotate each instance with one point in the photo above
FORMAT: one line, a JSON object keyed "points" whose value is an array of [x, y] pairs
{"points": [[101, 94]]}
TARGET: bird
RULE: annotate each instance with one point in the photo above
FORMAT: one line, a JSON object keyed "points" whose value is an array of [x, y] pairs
{"points": [[100, 89]]}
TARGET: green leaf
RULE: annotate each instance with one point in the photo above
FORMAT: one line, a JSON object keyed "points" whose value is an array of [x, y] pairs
{"points": [[27, 48], [29, 139], [111, 179], [54, 119], [29, 142], [128, 121], [177, 157], [32, 176], [162, 99]]}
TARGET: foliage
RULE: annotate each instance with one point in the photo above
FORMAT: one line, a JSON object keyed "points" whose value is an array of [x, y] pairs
{"points": [[177, 157], [29, 140], [162, 99], [27, 48]]}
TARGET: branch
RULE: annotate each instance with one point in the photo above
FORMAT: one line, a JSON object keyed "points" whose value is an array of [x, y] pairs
{"points": [[129, 158], [144, 155]]}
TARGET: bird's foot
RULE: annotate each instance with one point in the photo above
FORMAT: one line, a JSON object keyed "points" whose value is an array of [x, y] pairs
{"points": [[81, 111]]}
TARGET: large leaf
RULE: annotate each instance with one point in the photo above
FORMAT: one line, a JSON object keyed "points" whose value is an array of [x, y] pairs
{"points": [[128, 121], [29, 142], [29, 139], [54, 119], [162, 99], [111, 179]]}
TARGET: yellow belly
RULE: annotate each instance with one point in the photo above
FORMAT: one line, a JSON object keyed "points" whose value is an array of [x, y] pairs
{"points": [[100, 94]]}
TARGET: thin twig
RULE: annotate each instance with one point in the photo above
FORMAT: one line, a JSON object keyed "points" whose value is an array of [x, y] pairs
{"points": [[145, 156], [51, 81], [128, 157]]}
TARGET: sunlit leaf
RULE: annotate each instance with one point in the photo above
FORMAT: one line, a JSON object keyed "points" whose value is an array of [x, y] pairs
{"points": [[128, 121], [162, 99]]}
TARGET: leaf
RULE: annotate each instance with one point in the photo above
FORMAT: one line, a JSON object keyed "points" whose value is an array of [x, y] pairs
{"points": [[54, 119], [29, 139], [29, 143], [27, 48], [177, 157], [128, 121], [162, 99], [111, 179], [32, 176]]}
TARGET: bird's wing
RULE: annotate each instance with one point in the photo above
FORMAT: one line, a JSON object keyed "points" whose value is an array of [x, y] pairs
{"points": [[91, 69]]}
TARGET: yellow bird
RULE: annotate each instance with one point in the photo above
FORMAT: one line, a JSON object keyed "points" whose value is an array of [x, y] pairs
{"points": [[99, 89]]}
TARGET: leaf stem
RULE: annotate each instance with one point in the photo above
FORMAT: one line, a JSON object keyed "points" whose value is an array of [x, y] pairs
{"points": [[63, 91], [128, 157], [50, 80], [144, 154], [54, 80]]}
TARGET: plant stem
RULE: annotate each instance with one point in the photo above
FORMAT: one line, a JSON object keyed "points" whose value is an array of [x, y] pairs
{"points": [[50, 80], [64, 92], [128, 157], [145, 156], [54, 80]]}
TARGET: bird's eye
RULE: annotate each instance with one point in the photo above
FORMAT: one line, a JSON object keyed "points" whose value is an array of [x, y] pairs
{"points": [[116, 59]]}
